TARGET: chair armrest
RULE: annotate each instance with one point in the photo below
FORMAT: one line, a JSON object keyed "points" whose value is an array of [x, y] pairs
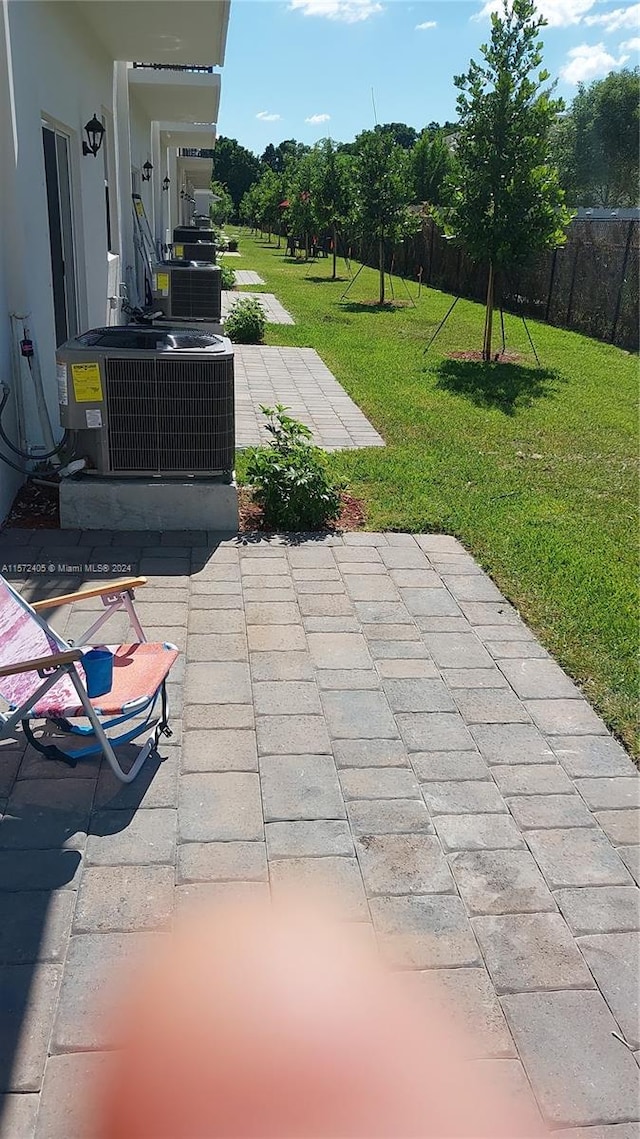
{"points": [[94, 591], [66, 657]]}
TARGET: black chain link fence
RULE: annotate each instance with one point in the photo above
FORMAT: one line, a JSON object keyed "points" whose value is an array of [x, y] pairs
{"points": [[589, 285]]}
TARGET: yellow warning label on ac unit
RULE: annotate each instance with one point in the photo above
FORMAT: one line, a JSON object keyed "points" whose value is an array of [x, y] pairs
{"points": [[178, 250], [87, 385], [162, 283]]}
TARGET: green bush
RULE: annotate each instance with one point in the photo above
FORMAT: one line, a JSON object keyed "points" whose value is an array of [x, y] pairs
{"points": [[290, 477], [246, 322], [228, 276]]}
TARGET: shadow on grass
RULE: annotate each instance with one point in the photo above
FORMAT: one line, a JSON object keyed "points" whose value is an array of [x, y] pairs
{"points": [[327, 280], [371, 306], [504, 386]]}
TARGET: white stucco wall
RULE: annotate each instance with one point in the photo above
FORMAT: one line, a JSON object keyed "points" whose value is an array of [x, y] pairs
{"points": [[53, 68], [59, 74]]}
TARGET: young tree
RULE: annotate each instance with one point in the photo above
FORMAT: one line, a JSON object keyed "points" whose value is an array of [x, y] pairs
{"points": [[299, 181], [269, 195], [332, 192], [221, 210], [432, 164], [249, 207], [383, 188], [507, 204]]}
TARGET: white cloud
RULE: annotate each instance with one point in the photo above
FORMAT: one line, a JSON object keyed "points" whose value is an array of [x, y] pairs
{"points": [[587, 62], [267, 117], [426, 25], [348, 11], [616, 18], [315, 119], [631, 45], [567, 13], [557, 13]]}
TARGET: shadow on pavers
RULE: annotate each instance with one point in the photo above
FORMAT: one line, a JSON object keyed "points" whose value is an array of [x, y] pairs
{"points": [[47, 816]]}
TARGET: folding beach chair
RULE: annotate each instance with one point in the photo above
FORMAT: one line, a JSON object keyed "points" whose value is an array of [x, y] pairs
{"points": [[43, 677]]}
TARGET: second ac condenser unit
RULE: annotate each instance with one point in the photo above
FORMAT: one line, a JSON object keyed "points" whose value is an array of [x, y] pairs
{"points": [[193, 233], [146, 401], [195, 251], [188, 292]]}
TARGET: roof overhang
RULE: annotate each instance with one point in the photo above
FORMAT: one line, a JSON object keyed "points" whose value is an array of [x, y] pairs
{"points": [[191, 136], [157, 31], [176, 96], [197, 171]]}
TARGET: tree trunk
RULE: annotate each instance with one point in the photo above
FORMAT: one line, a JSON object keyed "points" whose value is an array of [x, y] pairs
{"points": [[488, 317], [381, 267], [279, 235], [335, 253]]}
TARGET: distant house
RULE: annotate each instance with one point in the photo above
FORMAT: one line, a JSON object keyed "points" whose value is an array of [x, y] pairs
{"points": [[141, 74]]}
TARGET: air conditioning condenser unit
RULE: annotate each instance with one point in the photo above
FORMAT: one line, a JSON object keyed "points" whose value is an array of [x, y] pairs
{"points": [[203, 251], [149, 401], [188, 233], [188, 291]]}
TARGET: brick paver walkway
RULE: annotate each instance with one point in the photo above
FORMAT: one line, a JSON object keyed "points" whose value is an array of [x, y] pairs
{"points": [[368, 708], [248, 277], [273, 310], [298, 378]]}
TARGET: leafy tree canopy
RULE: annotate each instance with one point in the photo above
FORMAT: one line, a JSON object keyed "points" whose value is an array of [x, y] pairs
{"points": [[596, 144], [400, 133], [277, 156], [221, 210], [235, 167], [432, 164]]}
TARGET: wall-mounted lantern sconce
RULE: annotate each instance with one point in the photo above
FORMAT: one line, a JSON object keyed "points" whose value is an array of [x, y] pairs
{"points": [[146, 171], [95, 133], [166, 182]]}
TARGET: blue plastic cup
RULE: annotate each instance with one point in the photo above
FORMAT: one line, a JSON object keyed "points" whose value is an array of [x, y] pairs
{"points": [[98, 670]]}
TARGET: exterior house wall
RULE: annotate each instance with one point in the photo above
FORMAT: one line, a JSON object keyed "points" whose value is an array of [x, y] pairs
{"points": [[9, 479], [56, 69], [66, 81]]}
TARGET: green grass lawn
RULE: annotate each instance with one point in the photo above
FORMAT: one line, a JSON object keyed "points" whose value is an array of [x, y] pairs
{"points": [[533, 469]]}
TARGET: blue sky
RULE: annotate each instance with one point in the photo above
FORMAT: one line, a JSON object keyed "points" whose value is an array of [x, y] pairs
{"points": [[291, 61]]}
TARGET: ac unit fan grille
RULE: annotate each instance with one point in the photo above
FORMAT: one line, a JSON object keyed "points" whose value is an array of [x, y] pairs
{"points": [[170, 416], [196, 294]]}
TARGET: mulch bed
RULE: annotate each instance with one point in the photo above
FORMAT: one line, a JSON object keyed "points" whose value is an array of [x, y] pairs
{"points": [[35, 508], [352, 515], [476, 357]]}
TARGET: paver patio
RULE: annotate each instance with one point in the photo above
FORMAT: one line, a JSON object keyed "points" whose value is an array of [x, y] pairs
{"points": [[298, 378], [344, 706], [274, 312]]}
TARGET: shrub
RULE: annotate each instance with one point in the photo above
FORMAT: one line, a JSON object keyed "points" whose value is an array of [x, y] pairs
{"points": [[246, 322], [228, 277], [290, 477]]}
